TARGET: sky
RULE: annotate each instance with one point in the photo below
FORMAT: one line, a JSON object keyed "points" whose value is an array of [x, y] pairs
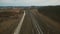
{"points": [[29, 2]]}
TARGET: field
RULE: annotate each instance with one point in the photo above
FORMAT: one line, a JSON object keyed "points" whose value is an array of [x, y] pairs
{"points": [[52, 12], [9, 18]]}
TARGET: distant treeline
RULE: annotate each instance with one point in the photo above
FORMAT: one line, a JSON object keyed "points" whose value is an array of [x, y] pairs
{"points": [[51, 11]]}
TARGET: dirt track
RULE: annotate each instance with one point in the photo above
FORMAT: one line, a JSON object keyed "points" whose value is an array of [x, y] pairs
{"points": [[49, 26]]}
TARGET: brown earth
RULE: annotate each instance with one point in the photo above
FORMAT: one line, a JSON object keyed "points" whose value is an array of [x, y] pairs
{"points": [[8, 24]]}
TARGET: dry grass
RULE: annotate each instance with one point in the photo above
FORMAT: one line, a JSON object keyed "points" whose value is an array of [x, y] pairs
{"points": [[8, 24]]}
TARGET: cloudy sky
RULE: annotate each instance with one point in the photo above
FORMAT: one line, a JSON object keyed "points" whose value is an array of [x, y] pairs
{"points": [[28, 2]]}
